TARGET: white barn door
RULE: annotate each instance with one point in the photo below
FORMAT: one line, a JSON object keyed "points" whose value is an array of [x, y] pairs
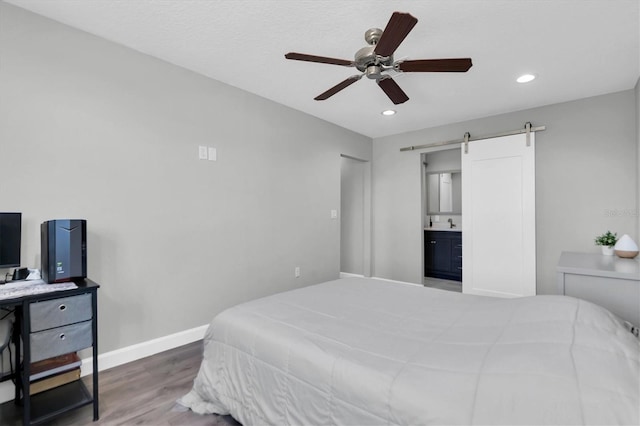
{"points": [[498, 211]]}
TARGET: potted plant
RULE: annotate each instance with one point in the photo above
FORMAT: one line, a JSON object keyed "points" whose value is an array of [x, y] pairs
{"points": [[607, 241]]}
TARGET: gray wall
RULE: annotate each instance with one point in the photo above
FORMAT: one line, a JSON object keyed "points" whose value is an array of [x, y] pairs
{"points": [[586, 165], [443, 161], [93, 130]]}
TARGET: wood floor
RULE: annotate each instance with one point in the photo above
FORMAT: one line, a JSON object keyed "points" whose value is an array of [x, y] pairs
{"points": [[142, 392]]}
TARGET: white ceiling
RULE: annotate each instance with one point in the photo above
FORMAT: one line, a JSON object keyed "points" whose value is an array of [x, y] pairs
{"points": [[578, 48]]}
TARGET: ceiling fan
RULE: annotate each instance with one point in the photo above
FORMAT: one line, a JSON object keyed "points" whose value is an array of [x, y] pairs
{"points": [[377, 59]]}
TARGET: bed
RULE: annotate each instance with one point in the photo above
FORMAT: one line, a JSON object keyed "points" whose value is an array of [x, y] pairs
{"points": [[359, 351]]}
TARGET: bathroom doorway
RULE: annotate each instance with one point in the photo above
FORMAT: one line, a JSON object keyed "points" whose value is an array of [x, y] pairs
{"points": [[442, 219]]}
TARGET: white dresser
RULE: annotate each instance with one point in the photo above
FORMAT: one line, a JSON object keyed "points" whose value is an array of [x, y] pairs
{"points": [[608, 281]]}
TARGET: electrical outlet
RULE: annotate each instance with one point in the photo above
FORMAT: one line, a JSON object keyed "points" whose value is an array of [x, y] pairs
{"points": [[213, 154], [334, 214], [297, 272]]}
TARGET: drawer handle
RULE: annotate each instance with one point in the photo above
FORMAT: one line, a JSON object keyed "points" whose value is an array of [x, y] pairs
{"points": [[62, 307], [62, 336]]}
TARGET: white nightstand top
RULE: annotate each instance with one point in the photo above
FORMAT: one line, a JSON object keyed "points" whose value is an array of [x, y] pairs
{"points": [[599, 265]]}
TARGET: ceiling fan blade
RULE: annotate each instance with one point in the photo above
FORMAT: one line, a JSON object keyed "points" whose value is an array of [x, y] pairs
{"points": [[398, 27], [320, 59], [338, 87], [436, 65], [393, 91]]}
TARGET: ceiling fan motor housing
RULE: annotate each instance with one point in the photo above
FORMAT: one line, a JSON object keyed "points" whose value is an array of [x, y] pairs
{"points": [[366, 57]]}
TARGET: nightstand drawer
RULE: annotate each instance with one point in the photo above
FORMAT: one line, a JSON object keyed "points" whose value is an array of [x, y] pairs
{"points": [[62, 311], [60, 341]]}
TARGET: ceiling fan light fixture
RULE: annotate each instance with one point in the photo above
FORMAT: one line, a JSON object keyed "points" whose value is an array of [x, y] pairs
{"points": [[525, 78], [388, 112]]}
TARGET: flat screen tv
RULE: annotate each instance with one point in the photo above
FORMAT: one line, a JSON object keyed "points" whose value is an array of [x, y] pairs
{"points": [[10, 236]]}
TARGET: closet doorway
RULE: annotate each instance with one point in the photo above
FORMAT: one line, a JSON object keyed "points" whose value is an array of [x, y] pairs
{"points": [[355, 217]]}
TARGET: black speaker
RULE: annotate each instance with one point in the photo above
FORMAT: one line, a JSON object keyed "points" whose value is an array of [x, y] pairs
{"points": [[63, 249]]}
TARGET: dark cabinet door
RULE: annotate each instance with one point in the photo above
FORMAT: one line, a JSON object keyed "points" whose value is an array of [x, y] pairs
{"points": [[443, 254], [440, 253]]}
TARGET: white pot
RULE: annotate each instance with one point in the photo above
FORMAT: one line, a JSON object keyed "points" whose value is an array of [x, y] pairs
{"points": [[607, 250]]}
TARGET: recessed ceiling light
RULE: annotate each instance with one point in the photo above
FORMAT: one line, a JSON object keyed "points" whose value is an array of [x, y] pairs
{"points": [[525, 78], [388, 112]]}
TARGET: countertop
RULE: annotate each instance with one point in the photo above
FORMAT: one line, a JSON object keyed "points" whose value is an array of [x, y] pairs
{"points": [[444, 229]]}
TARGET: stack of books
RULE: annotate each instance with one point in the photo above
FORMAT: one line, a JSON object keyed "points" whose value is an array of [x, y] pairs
{"points": [[53, 372]]}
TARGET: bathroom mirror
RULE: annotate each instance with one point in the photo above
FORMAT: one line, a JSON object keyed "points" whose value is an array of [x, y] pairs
{"points": [[444, 192]]}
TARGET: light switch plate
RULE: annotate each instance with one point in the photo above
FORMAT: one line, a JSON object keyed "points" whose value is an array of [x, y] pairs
{"points": [[202, 152], [213, 154]]}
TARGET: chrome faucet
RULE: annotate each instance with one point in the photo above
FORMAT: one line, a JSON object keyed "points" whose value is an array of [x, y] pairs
{"points": [[452, 225]]}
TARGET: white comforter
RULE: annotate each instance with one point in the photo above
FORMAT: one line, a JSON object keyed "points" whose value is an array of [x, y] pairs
{"points": [[364, 351]]}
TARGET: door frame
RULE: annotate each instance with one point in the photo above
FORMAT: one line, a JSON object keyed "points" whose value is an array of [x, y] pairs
{"points": [[423, 195]]}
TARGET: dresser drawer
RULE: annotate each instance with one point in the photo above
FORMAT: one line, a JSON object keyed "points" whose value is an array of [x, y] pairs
{"points": [[62, 311], [60, 341]]}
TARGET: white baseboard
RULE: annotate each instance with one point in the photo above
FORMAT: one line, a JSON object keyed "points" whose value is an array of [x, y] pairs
{"points": [[396, 281], [350, 275], [124, 355], [142, 350]]}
